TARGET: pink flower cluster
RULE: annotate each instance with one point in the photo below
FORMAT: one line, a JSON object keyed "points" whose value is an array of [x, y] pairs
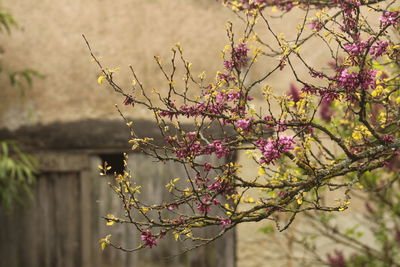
{"points": [[325, 110], [204, 207], [355, 49], [193, 148], [350, 21], [193, 111], [272, 149], [358, 48], [238, 58], [316, 25], [149, 239], [294, 93], [221, 98], [218, 148], [207, 167], [379, 48], [221, 187], [390, 18], [243, 124], [388, 138], [351, 81], [190, 149], [226, 77], [225, 222], [336, 259], [208, 109]]}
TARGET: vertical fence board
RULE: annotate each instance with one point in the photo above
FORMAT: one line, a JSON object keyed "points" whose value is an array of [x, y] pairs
{"points": [[86, 219], [28, 233], [46, 221], [94, 212]]}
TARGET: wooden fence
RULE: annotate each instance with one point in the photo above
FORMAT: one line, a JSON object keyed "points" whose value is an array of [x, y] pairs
{"points": [[62, 225]]}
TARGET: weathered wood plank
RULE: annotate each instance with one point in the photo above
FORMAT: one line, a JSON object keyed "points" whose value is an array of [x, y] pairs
{"points": [[47, 221], [96, 182], [86, 219]]}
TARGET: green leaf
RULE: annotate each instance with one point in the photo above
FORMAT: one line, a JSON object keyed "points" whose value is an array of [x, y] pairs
{"points": [[267, 229]]}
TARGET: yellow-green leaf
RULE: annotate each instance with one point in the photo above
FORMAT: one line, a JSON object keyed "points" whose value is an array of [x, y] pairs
{"points": [[100, 79]]}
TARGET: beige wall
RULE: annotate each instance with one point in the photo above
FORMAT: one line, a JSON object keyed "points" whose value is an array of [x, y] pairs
{"points": [[122, 32]]}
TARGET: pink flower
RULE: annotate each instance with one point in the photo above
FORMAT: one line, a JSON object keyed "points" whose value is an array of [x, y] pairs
{"points": [[220, 98], [356, 48], [218, 148], [388, 138], [172, 207], [233, 96], [352, 81], [238, 57], [148, 238], [379, 48], [221, 187], [207, 167], [226, 77], [128, 100], [204, 206], [225, 222], [325, 109], [336, 260], [316, 25], [243, 124], [272, 149], [294, 93], [390, 18]]}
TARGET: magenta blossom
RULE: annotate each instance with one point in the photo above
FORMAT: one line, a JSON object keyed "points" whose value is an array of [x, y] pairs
{"points": [[218, 148], [351, 81], [238, 57], [225, 223], [244, 124], [336, 260], [272, 149], [325, 109], [388, 138], [390, 18], [128, 100], [316, 25], [221, 187], [204, 206], [379, 48], [207, 167], [294, 93], [148, 239], [355, 49]]}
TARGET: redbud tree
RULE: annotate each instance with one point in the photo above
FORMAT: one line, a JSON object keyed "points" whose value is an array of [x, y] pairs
{"points": [[333, 126]]}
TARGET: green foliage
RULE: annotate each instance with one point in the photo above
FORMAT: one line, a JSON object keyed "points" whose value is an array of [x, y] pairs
{"points": [[17, 174], [6, 21], [267, 229], [17, 169], [18, 78], [23, 78]]}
